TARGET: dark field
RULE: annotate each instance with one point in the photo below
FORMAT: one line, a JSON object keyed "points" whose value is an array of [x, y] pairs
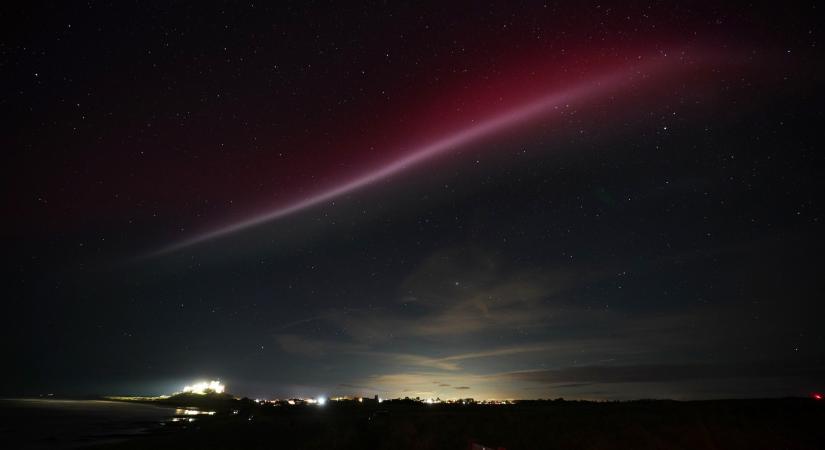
{"points": [[725, 424]]}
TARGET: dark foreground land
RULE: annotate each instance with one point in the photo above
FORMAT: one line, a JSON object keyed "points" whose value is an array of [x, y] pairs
{"points": [[724, 424]]}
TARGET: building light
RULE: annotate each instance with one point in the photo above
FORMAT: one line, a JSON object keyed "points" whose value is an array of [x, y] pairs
{"points": [[204, 387]]}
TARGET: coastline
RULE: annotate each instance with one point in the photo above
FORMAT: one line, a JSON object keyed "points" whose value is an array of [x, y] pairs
{"points": [[70, 423]]}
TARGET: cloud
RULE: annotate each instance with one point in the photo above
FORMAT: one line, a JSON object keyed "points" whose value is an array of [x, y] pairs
{"points": [[665, 380], [653, 373], [450, 363], [461, 317], [416, 360], [458, 292], [420, 384]]}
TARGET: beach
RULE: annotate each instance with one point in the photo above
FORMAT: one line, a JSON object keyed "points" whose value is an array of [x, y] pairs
{"points": [[59, 424]]}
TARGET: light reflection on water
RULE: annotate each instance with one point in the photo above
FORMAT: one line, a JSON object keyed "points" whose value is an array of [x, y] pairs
{"points": [[182, 413], [183, 419], [192, 412]]}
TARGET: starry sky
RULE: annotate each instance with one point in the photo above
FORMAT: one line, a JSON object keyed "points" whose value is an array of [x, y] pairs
{"points": [[487, 200]]}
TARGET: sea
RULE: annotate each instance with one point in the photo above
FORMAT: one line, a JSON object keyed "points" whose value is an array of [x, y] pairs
{"points": [[67, 424]]}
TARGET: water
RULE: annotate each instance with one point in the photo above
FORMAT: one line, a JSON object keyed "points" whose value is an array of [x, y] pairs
{"points": [[63, 424]]}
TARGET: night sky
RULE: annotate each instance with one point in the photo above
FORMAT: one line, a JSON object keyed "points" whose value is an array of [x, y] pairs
{"points": [[478, 200]]}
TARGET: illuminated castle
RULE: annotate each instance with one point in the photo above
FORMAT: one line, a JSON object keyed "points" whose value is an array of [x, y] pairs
{"points": [[204, 387]]}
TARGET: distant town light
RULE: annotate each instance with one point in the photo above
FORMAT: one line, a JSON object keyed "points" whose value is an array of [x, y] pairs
{"points": [[204, 387], [321, 401]]}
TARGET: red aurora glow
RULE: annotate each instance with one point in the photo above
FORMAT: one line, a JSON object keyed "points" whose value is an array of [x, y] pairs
{"points": [[532, 107]]}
